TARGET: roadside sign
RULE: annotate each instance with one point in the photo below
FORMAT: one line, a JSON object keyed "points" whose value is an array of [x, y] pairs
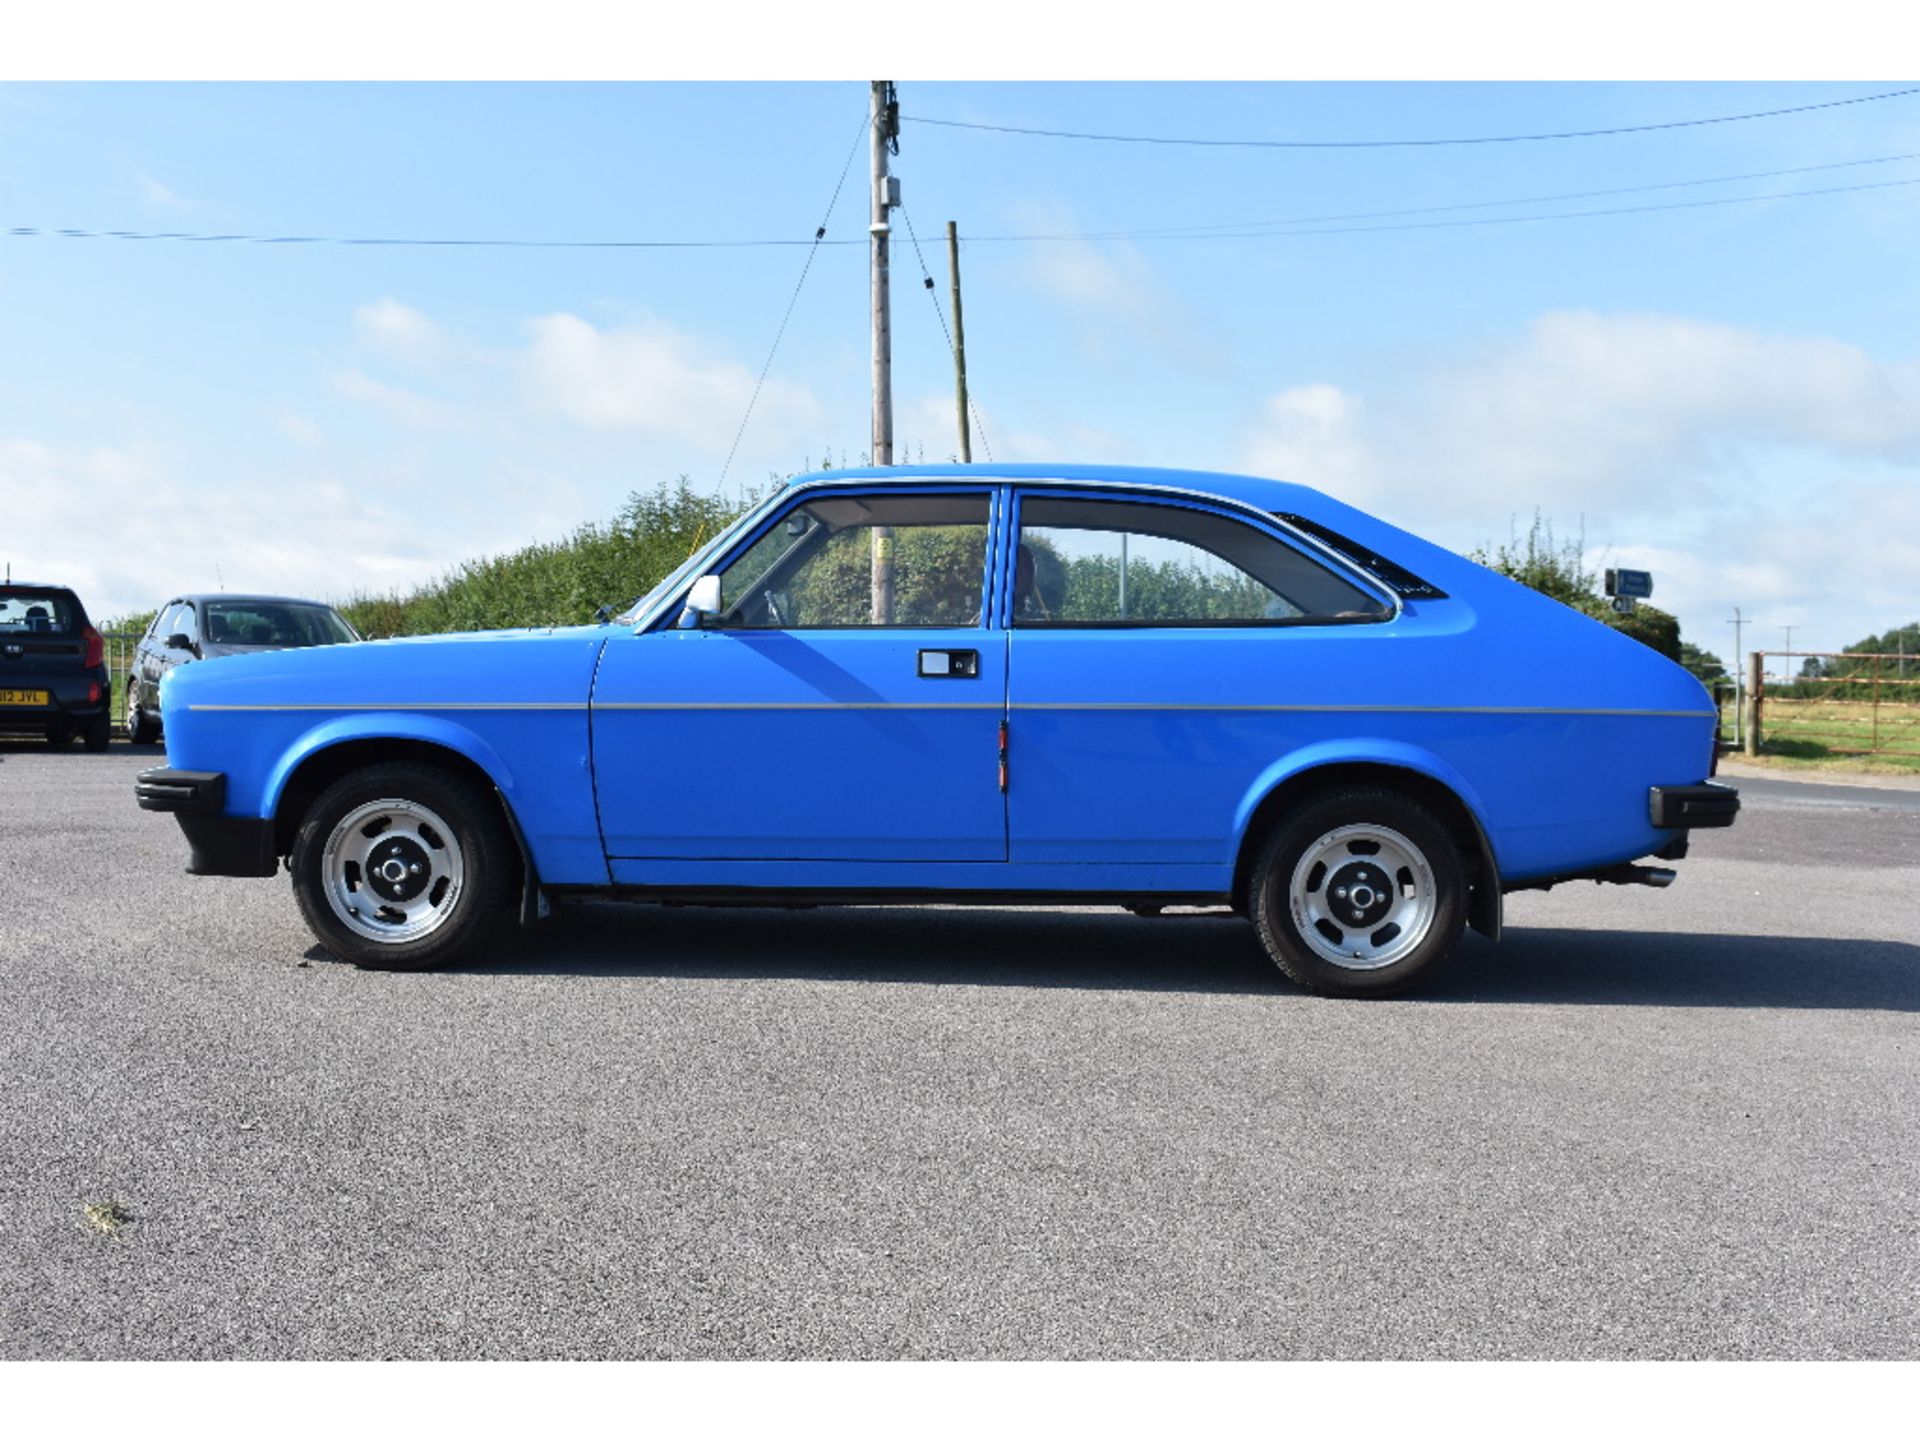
{"points": [[1630, 584]]}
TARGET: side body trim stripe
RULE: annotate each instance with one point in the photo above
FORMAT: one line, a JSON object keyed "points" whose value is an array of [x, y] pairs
{"points": [[979, 705]]}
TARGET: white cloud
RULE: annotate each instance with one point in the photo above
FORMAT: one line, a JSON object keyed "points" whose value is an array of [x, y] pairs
{"points": [[162, 197], [1310, 434], [655, 379], [299, 428], [87, 518], [1114, 279], [1779, 473], [1120, 311], [399, 332], [416, 411]]}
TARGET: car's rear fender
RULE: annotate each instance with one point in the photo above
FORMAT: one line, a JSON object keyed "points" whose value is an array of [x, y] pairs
{"points": [[1396, 765]]}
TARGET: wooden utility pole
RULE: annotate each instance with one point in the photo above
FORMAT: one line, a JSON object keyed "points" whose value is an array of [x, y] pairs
{"points": [[959, 345], [886, 191]]}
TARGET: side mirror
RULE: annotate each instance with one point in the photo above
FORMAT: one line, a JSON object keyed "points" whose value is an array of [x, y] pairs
{"points": [[179, 641], [703, 601]]}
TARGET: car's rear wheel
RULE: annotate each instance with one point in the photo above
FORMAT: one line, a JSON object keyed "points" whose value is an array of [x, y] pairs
{"points": [[98, 732], [140, 729], [1359, 893], [402, 866]]}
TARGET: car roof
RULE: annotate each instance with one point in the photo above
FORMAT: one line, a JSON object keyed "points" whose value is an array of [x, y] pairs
{"points": [[1282, 497], [1248, 489], [226, 597], [34, 585]]}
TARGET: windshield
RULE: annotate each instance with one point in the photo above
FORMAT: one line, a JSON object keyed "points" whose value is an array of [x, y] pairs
{"points": [[688, 567], [274, 623]]}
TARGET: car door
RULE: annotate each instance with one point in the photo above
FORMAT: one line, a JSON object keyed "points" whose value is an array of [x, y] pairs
{"points": [[1163, 654], [844, 704], [156, 658]]}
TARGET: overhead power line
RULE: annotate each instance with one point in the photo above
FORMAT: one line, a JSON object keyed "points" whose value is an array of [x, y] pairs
{"points": [[1250, 144], [819, 237], [1483, 220], [1225, 228], [461, 242], [1221, 230]]}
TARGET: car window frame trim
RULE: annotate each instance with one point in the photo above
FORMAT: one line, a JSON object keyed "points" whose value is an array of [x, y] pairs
{"points": [[783, 502], [1009, 490]]}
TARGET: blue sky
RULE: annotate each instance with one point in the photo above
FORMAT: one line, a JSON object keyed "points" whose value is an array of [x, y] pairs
{"points": [[1729, 395]]}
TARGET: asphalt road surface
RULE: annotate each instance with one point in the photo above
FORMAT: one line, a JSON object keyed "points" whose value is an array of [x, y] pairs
{"points": [[1647, 1124]]}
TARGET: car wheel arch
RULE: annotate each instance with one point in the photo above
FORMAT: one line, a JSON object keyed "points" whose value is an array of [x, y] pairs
{"points": [[321, 766], [1300, 784]]}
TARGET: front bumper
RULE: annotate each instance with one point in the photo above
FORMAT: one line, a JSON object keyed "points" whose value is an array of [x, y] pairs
{"points": [[1692, 807], [217, 844]]}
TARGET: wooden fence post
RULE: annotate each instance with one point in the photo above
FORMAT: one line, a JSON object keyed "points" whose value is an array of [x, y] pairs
{"points": [[1756, 677]]}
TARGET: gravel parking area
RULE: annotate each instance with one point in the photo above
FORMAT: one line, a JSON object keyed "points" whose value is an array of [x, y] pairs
{"points": [[1676, 1124]]}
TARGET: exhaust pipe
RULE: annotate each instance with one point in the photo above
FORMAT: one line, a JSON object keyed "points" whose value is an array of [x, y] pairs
{"points": [[1658, 876]]}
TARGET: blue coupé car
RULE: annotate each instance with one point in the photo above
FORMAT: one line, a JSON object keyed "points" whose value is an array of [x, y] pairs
{"points": [[1011, 684]]}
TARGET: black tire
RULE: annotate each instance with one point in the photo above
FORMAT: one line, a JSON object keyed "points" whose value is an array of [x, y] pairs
{"points": [[141, 730], [98, 732], [59, 736], [475, 843], [1426, 877]]}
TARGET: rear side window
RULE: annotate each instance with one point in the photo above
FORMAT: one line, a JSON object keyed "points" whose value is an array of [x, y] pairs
{"points": [[38, 612], [1402, 580], [1132, 563]]}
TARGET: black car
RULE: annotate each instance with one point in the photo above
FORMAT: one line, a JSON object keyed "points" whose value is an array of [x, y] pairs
{"points": [[53, 667], [204, 627]]}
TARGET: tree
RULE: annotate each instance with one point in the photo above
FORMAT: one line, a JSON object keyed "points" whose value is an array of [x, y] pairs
{"points": [[1705, 665], [1557, 568], [562, 582]]}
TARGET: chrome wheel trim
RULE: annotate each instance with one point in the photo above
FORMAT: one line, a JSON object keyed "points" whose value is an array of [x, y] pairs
{"points": [[133, 708], [417, 852], [1353, 859]]}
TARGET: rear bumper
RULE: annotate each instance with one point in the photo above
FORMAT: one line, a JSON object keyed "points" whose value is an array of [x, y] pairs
{"points": [[63, 714], [217, 844], [1692, 807], [72, 695]]}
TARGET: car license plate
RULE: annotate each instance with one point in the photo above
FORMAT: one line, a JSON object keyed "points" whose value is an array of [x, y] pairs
{"points": [[23, 697]]}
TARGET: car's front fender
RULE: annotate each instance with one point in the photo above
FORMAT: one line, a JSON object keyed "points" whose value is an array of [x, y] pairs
{"points": [[385, 725]]}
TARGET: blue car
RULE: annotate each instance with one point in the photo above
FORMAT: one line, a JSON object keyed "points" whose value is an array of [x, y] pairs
{"points": [[1008, 684]]}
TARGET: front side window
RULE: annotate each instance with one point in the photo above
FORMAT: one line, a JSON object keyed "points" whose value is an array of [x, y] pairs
{"points": [[858, 561], [1123, 562]]}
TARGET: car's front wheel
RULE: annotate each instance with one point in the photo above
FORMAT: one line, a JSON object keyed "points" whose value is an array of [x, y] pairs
{"points": [[140, 729], [1359, 893], [402, 866]]}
